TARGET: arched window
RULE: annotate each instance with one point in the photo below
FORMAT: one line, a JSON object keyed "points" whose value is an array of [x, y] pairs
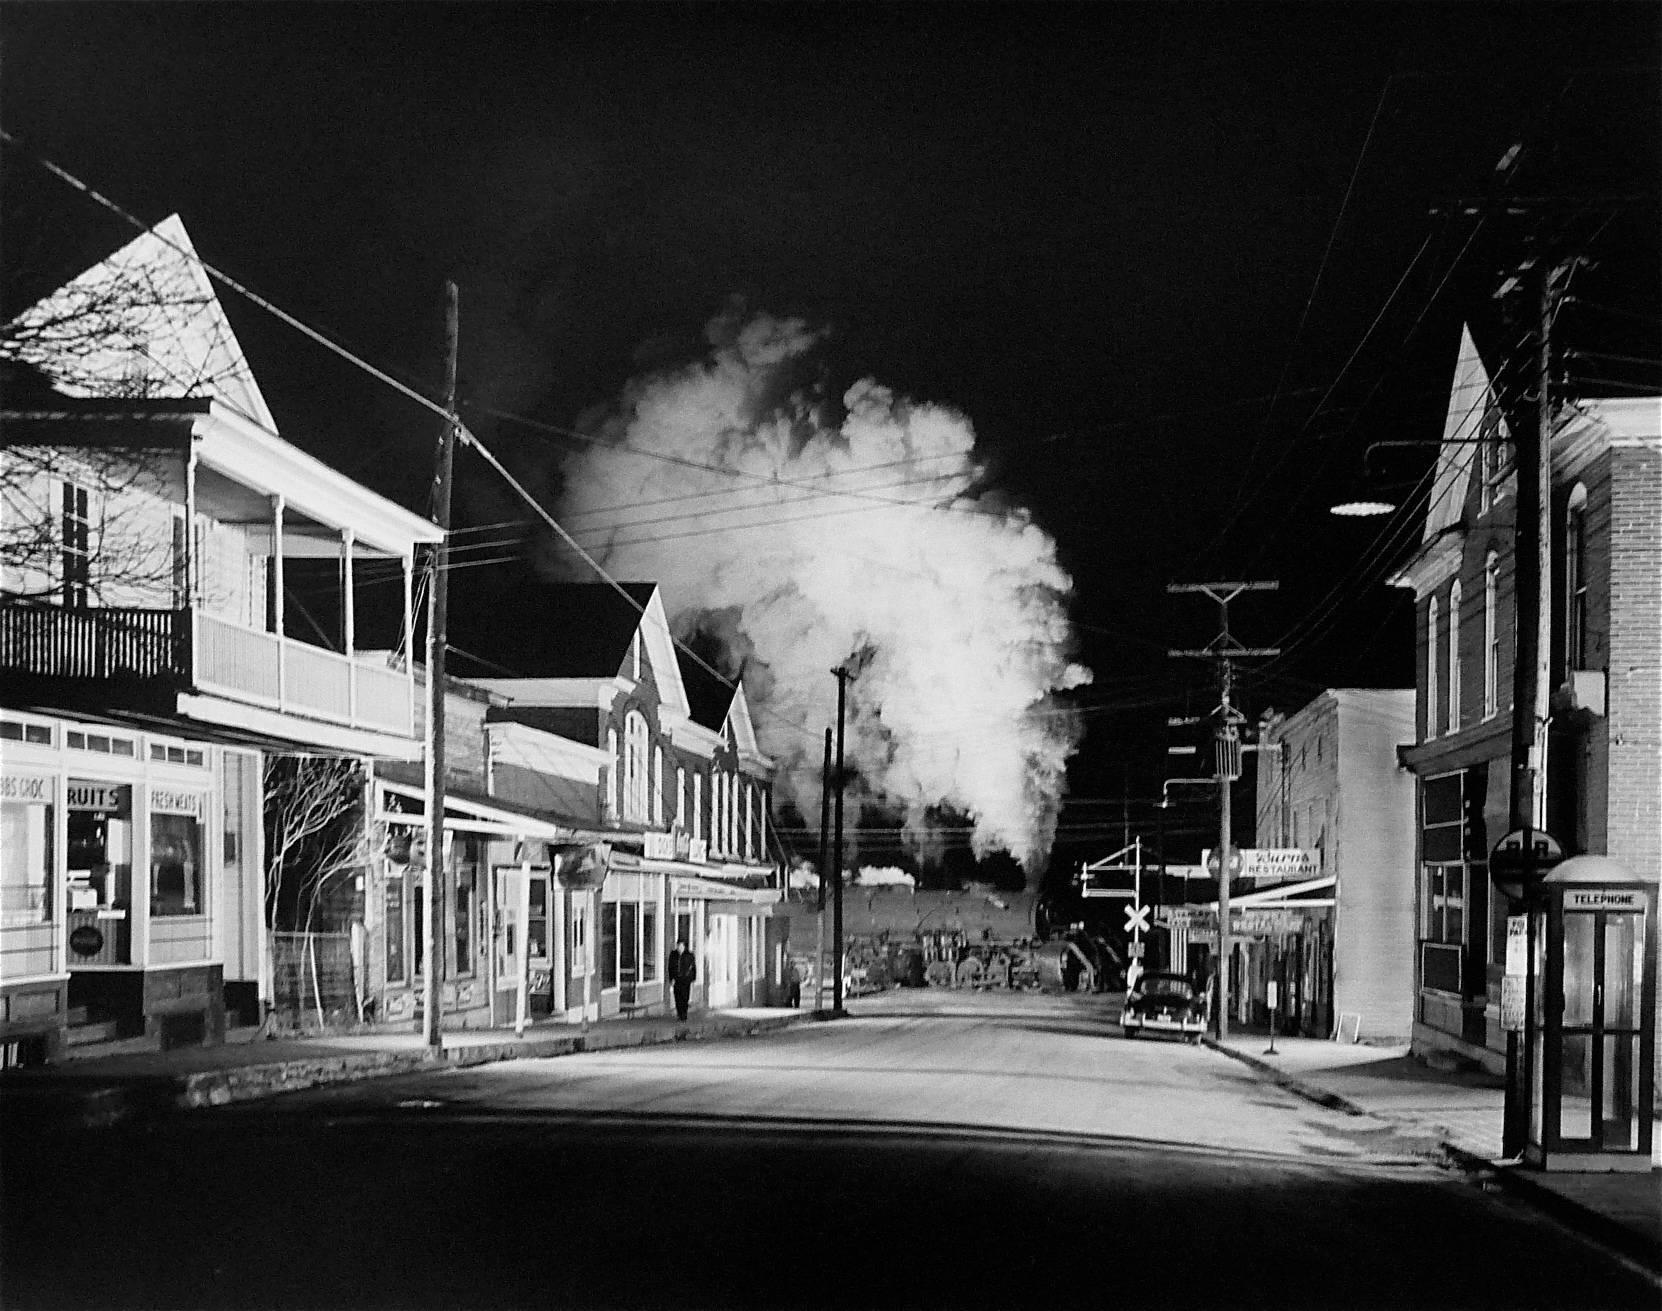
{"points": [[1491, 635], [1454, 658], [1433, 653], [1575, 580], [635, 783], [614, 785], [657, 784]]}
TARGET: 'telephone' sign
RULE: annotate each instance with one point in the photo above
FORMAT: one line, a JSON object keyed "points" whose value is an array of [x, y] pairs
{"points": [[1603, 899]]}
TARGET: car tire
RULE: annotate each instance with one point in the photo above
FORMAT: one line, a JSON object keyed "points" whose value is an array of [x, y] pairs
{"points": [[1129, 1032]]}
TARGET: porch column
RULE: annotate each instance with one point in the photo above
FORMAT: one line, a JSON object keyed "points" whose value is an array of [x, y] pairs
{"points": [[349, 634], [191, 578], [278, 505]]}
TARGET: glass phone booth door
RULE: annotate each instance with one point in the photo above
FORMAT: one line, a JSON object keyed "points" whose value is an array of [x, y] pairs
{"points": [[1595, 1065]]}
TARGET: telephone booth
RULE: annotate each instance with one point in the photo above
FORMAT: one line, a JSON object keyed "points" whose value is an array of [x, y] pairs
{"points": [[1592, 1018]]}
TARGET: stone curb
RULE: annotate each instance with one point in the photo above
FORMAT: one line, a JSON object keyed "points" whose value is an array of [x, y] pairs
{"points": [[1589, 1223], [152, 1096]]}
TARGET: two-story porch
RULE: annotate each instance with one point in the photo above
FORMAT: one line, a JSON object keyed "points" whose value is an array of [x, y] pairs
{"points": [[145, 627], [162, 592]]}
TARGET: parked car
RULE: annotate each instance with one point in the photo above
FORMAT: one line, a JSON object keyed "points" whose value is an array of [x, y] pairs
{"points": [[1164, 1003]]}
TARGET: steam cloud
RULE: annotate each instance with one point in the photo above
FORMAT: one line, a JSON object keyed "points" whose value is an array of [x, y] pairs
{"points": [[823, 533]]}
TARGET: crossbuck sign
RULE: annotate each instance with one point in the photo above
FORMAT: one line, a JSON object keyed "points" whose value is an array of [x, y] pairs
{"points": [[1136, 919]]}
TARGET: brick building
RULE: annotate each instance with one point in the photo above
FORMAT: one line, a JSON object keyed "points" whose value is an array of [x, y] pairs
{"points": [[1604, 739]]}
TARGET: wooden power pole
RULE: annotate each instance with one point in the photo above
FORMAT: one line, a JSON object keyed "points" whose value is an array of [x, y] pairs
{"points": [[438, 614]]}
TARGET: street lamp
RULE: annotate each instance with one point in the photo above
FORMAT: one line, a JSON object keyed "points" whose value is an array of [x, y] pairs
{"points": [[1372, 506]]}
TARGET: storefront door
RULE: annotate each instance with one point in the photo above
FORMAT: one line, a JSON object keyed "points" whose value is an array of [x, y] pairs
{"points": [[522, 945], [1598, 1057], [721, 961]]}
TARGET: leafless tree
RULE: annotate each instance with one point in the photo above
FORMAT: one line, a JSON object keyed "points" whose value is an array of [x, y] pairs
{"points": [[316, 831], [141, 324]]}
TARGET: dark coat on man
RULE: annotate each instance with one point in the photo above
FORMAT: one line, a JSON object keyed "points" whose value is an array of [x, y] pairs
{"points": [[683, 972]]}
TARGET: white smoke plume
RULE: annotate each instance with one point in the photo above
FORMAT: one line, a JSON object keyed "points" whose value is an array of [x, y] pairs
{"points": [[805, 533]]}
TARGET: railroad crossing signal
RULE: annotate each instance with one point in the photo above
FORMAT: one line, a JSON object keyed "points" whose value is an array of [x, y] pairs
{"points": [[1136, 919]]}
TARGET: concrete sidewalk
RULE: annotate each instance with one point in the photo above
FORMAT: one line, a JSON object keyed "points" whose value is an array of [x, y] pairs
{"points": [[1459, 1115], [109, 1089]]}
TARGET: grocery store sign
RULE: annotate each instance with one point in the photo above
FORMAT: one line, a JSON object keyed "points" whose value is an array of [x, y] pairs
{"points": [[166, 801], [26, 787], [82, 795], [1244, 921]]}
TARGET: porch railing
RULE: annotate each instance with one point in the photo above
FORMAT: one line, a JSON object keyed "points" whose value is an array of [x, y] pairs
{"points": [[191, 648], [108, 643]]}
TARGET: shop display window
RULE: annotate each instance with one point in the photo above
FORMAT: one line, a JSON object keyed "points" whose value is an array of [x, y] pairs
{"points": [[536, 929], [395, 929], [25, 863], [176, 865], [100, 850]]}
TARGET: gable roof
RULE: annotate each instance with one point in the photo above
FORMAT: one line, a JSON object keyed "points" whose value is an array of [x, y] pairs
{"points": [[708, 698], [156, 329], [584, 631], [1470, 398]]}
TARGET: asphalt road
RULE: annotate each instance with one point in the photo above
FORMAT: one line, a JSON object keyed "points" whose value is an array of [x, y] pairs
{"points": [[936, 1150]]}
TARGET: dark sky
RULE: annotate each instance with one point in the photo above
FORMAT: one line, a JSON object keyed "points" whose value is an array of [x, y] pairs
{"points": [[1095, 230]]}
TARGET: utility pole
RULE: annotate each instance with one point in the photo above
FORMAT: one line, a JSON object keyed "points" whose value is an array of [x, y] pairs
{"points": [[438, 614], [842, 676], [824, 873], [1531, 421], [1225, 650]]}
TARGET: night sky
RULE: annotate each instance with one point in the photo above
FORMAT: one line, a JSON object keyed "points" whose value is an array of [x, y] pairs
{"points": [[1178, 264]]}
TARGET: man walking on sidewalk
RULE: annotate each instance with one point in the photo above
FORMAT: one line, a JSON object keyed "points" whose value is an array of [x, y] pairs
{"points": [[683, 969]]}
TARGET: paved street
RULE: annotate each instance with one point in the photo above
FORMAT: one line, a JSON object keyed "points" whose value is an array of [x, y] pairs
{"points": [[936, 1150]]}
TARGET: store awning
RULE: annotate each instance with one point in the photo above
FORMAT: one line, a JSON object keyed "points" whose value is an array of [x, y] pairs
{"points": [[402, 803]]}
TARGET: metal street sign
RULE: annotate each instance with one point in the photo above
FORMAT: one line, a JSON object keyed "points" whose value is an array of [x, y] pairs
{"points": [[1136, 919], [1210, 858], [1522, 859], [1512, 1003]]}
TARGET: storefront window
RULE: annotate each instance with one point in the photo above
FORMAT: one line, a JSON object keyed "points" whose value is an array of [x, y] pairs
{"points": [[395, 929], [100, 854], [608, 945], [175, 865], [649, 943], [469, 853], [536, 928], [579, 936], [26, 852]]}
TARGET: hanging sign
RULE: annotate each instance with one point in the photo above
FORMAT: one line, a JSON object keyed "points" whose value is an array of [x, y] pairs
{"points": [[86, 940], [1517, 945], [1278, 864]]}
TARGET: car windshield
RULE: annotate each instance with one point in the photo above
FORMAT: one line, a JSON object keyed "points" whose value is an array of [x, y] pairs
{"points": [[1174, 984]]}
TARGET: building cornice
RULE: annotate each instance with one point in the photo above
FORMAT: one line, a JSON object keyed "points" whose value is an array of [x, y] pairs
{"points": [[1433, 564]]}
